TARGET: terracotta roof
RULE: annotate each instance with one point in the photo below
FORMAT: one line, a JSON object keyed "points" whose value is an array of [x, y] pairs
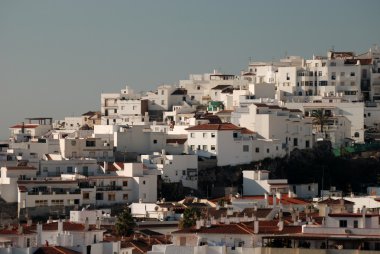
{"points": [[352, 215], [67, 226], [14, 231], [55, 250], [285, 200], [246, 131], [260, 105], [225, 112], [330, 201], [120, 164], [180, 141], [220, 87], [22, 188], [260, 213], [215, 127], [218, 229], [90, 113], [110, 166], [26, 126], [21, 168], [249, 74], [179, 91]]}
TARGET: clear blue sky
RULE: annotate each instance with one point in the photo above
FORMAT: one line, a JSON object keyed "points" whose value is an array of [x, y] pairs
{"points": [[56, 57]]}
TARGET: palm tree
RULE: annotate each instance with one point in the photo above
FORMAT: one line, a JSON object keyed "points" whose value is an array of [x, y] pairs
{"points": [[320, 118]]}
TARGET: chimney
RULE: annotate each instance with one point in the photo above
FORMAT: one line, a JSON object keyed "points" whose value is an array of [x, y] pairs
{"points": [[105, 166], [20, 229], [97, 223], [60, 226], [364, 211], [86, 225], [266, 199], [280, 225], [23, 128], [198, 224], [274, 201], [256, 227]]}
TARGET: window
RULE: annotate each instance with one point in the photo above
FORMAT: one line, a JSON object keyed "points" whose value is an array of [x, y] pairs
{"points": [[192, 135], [356, 224], [356, 135], [245, 148], [154, 141], [144, 195], [192, 147], [267, 150], [144, 182], [342, 223], [333, 64], [352, 74], [162, 92], [212, 148], [125, 196], [162, 102], [333, 75], [125, 183], [41, 202], [205, 135], [342, 74], [213, 135], [369, 114], [295, 142], [86, 195], [73, 142], [99, 196], [183, 172], [204, 148], [69, 169], [90, 143], [115, 111], [309, 187], [257, 150], [111, 196], [307, 144], [319, 73], [235, 134], [57, 202], [342, 83]]}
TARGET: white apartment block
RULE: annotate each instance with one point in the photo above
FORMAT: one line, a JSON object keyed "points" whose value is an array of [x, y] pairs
{"points": [[123, 108], [174, 168], [199, 86], [229, 144], [346, 121], [273, 122], [257, 182], [96, 148]]}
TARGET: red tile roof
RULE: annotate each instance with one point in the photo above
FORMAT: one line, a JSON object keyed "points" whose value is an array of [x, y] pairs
{"points": [[218, 229], [352, 215], [215, 127], [21, 168], [330, 201], [26, 126], [285, 200], [55, 250], [67, 226]]}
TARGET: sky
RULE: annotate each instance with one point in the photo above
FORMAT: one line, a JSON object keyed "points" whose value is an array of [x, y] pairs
{"points": [[57, 57]]}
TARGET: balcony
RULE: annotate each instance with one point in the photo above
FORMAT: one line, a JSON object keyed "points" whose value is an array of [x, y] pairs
{"points": [[109, 188]]}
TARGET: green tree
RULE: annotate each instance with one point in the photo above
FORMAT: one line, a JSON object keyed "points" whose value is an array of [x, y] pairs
{"points": [[190, 216], [124, 223], [320, 118]]}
